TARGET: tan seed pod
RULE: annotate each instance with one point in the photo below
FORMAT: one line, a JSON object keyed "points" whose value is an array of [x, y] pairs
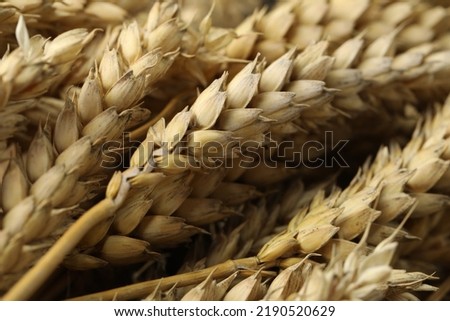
{"points": [[134, 117], [377, 274], [130, 42], [356, 224], [394, 206], [165, 231], [339, 29], [235, 193], [154, 16], [243, 86], [110, 69], [14, 185], [17, 217], [10, 254], [67, 127], [407, 60], [125, 250], [55, 185], [159, 70], [5, 91], [177, 127], [202, 211], [38, 221], [379, 233], [205, 183], [40, 155], [130, 214], [90, 98], [305, 35], [166, 203], [66, 46], [271, 50], [316, 286], [346, 54], [282, 17], [143, 154], [317, 70], [106, 11], [428, 203], [287, 282], [146, 62], [250, 289], [209, 104], [126, 91], [202, 292], [383, 46], [210, 141], [288, 128], [337, 248], [223, 286], [427, 175], [81, 156], [103, 125], [166, 36], [147, 181], [218, 38], [309, 55], [306, 89], [83, 262], [349, 10], [22, 36], [320, 217], [310, 240], [241, 47], [271, 102], [248, 132], [287, 114], [282, 245], [278, 73], [344, 78], [376, 68], [234, 119]]}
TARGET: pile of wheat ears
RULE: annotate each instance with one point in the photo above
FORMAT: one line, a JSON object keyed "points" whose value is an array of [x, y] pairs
{"points": [[126, 130]]}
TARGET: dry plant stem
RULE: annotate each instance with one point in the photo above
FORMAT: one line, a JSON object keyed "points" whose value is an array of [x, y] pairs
{"points": [[37, 275], [140, 290]]}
